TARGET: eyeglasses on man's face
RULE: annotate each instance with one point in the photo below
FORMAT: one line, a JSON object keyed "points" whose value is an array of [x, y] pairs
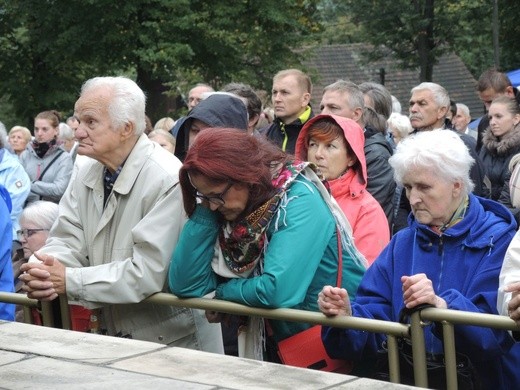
{"points": [[29, 232], [216, 199]]}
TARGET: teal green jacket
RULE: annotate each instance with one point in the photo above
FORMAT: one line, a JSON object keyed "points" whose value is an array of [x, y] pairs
{"points": [[301, 257]]}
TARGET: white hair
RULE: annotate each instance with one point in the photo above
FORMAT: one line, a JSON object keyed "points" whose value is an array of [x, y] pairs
{"points": [[396, 105], [128, 101], [464, 109], [41, 213], [439, 151], [440, 95], [65, 132], [400, 123]]}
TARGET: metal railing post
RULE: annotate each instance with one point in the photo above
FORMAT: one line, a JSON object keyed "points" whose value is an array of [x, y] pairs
{"points": [[418, 350], [450, 358], [65, 312], [393, 359], [47, 316]]}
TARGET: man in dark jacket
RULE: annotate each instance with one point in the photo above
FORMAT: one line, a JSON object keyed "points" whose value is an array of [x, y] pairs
{"points": [[291, 95], [344, 98], [218, 110]]}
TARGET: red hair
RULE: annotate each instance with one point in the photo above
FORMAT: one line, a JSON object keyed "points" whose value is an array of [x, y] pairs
{"points": [[226, 155], [327, 130]]}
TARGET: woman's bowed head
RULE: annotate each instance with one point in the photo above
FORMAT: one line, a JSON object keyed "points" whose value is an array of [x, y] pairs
{"points": [[229, 189]]}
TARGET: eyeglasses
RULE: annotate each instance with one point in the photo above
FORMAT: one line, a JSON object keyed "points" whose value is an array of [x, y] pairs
{"points": [[217, 199], [28, 232]]}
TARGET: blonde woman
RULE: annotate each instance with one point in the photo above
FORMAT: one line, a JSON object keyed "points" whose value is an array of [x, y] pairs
{"points": [[19, 137]]}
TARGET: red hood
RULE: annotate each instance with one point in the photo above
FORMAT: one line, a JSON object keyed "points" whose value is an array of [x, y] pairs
{"points": [[355, 137]]}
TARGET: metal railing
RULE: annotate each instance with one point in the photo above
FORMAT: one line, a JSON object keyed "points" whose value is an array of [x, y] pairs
{"points": [[393, 330]]}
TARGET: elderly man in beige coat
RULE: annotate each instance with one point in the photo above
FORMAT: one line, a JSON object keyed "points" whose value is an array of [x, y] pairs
{"points": [[118, 224]]}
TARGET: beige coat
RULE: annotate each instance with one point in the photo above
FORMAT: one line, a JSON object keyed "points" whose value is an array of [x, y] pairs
{"points": [[119, 254]]}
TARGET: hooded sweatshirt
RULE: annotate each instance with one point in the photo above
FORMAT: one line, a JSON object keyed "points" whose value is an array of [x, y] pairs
{"points": [[464, 265], [217, 110], [367, 218]]}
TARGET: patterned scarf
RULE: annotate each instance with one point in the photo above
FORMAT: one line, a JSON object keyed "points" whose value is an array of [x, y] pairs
{"points": [[243, 242], [458, 215]]}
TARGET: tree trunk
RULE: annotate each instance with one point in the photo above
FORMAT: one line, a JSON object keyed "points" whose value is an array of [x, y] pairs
{"points": [[425, 38], [158, 104]]}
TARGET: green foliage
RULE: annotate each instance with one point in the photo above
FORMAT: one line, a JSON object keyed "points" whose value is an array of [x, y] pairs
{"points": [[509, 34], [417, 36], [50, 47]]}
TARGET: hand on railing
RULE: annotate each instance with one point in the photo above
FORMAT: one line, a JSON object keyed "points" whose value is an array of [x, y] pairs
{"points": [[513, 307], [334, 301], [418, 290]]}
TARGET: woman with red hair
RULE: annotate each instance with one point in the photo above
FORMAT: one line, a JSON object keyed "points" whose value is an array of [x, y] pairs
{"points": [[262, 230], [335, 144]]}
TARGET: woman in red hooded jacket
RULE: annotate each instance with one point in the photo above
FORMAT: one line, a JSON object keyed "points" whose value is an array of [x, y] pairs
{"points": [[335, 145]]}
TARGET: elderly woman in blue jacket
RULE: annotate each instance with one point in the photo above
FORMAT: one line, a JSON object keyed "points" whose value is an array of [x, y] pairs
{"points": [[264, 231], [449, 256]]}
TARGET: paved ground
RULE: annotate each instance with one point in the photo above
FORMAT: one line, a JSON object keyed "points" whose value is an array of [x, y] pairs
{"points": [[35, 357]]}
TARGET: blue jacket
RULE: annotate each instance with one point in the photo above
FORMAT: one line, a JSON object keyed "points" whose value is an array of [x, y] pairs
{"points": [[6, 267], [301, 258], [463, 264], [14, 178]]}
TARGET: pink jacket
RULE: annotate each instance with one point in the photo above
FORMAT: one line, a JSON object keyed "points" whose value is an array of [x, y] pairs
{"points": [[367, 218]]}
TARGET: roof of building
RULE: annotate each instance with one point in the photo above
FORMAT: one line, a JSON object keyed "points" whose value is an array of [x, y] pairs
{"points": [[328, 63]]}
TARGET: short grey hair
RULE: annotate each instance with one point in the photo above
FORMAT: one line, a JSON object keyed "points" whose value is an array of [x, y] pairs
{"points": [[42, 214], [128, 101], [439, 151], [354, 94], [380, 97], [66, 133], [464, 109], [440, 94]]}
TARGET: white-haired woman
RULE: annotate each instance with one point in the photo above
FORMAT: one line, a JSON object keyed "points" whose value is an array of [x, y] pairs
{"points": [[449, 256], [35, 222], [399, 126]]}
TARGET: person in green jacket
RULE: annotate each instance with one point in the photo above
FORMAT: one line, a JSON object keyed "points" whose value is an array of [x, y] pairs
{"points": [[262, 231]]}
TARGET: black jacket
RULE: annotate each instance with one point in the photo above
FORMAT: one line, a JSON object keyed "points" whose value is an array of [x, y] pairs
{"points": [[496, 155], [277, 130], [380, 183]]}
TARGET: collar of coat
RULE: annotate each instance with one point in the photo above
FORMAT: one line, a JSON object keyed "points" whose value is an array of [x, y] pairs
{"points": [[503, 145], [128, 175]]}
